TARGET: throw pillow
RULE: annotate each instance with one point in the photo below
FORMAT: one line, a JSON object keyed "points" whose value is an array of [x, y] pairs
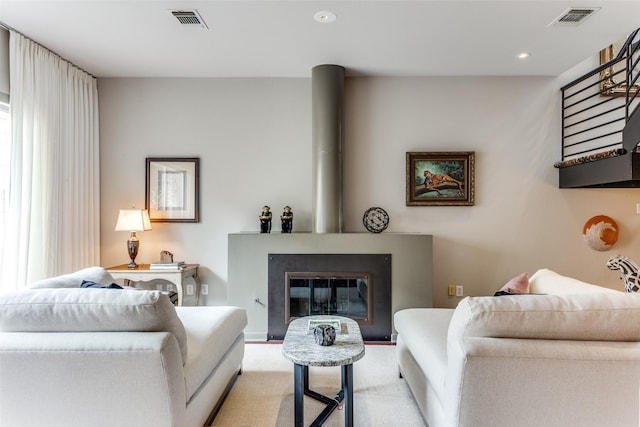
{"points": [[89, 284], [517, 285], [73, 280]]}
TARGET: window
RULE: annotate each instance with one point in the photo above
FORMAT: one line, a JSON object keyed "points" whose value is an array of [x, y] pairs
{"points": [[5, 156]]}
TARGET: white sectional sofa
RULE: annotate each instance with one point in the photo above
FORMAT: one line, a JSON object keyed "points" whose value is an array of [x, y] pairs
{"points": [[570, 357], [112, 357]]}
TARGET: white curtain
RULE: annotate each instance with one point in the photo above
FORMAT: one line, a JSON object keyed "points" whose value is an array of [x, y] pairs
{"points": [[53, 223]]}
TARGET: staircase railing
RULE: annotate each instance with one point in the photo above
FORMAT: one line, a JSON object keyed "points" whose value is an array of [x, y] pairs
{"points": [[597, 106]]}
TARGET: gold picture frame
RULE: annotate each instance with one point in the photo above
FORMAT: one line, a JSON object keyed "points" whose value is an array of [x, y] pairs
{"points": [[440, 178], [612, 84]]}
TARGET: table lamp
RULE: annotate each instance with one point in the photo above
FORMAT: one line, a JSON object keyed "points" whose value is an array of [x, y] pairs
{"points": [[133, 220]]}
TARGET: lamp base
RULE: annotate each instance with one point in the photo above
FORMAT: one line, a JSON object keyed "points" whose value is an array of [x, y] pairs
{"points": [[132, 247]]}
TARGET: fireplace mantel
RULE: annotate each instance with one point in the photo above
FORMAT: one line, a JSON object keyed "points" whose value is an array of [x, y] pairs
{"points": [[411, 276]]}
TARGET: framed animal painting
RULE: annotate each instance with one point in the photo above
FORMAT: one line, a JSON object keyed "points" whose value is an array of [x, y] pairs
{"points": [[440, 178]]}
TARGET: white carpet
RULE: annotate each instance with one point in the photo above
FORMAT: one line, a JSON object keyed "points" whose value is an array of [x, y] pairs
{"points": [[263, 395]]}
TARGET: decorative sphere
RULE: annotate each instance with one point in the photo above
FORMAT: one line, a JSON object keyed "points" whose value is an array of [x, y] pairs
{"points": [[375, 220], [600, 232]]}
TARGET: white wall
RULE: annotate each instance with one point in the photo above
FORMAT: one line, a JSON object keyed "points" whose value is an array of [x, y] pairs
{"points": [[253, 140], [253, 137]]}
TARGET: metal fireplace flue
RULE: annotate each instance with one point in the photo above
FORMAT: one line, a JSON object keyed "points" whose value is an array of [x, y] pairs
{"points": [[357, 286]]}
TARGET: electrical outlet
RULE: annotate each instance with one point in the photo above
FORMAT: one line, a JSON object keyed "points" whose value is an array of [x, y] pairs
{"points": [[159, 287], [459, 291], [189, 289], [452, 290], [638, 208], [204, 289]]}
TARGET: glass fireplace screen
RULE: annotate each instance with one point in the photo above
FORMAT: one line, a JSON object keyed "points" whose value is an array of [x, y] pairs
{"points": [[339, 294]]}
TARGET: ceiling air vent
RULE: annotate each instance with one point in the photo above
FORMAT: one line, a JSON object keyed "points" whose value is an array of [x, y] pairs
{"points": [[575, 15], [189, 17]]}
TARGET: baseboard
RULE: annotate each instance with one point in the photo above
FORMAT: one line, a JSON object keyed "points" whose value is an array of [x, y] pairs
{"points": [[255, 336]]}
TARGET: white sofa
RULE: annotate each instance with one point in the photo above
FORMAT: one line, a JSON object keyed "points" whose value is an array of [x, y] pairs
{"points": [[110, 357], [570, 357]]}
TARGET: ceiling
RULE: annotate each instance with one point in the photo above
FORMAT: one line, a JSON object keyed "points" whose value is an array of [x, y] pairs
{"points": [[264, 38]]}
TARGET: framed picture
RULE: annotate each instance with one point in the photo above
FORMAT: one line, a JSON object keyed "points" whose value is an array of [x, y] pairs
{"points": [[613, 78], [440, 178], [172, 189]]}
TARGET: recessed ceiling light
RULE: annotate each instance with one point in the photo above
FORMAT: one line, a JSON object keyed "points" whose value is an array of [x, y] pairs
{"points": [[324, 16], [523, 55]]}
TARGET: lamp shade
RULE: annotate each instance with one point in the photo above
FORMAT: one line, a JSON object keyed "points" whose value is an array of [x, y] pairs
{"points": [[133, 220]]}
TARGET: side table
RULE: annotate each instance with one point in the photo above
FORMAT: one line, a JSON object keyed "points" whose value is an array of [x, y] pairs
{"points": [[300, 347], [142, 273]]}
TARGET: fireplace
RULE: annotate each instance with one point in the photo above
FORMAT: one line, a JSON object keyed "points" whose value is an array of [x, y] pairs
{"points": [[357, 286], [328, 293], [248, 285], [250, 253]]}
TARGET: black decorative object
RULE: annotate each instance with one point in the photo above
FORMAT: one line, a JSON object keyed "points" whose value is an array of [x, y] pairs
{"points": [[287, 220], [325, 334], [375, 220], [265, 220]]}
